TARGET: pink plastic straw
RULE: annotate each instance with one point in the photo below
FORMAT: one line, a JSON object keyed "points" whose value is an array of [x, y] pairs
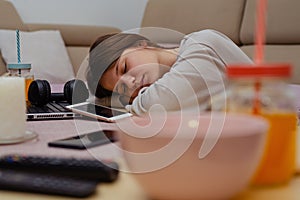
{"points": [[260, 31]]}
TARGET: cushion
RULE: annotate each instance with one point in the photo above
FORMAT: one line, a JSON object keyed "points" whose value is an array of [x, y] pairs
{"points": [[44, 49], [194, 15], [282, 18]]}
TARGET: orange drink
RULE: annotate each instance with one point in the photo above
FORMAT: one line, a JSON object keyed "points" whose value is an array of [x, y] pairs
{"points": [[279, 159], [262, 90], [28, 81]]}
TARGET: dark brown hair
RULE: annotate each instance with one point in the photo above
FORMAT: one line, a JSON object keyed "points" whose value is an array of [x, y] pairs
{"points": [[99, 91], [104, 52]]}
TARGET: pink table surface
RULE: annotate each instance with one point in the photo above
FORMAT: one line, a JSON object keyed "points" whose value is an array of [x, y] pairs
{"points": [[58, 129]]}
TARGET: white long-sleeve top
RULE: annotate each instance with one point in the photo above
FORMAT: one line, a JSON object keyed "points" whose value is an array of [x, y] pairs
{"points": [[196, 76]]}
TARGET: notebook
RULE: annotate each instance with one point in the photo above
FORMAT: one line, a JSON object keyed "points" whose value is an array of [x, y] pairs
{"points": [[52, 110]]}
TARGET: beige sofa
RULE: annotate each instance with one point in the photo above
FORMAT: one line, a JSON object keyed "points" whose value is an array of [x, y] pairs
{"points": [[77, 38], [235, 18]]}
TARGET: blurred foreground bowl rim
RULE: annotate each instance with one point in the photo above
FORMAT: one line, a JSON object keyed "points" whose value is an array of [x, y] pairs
{"points": [[260, 127]]}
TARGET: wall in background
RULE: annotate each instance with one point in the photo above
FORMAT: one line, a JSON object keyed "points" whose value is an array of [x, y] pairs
{"points": [[124, 14]]}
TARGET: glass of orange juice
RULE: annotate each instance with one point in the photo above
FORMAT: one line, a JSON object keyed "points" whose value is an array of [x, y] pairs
{"points": [[263, 90]]}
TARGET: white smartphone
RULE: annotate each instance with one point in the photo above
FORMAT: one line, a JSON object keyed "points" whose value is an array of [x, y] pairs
{"points": [[98, 111]]}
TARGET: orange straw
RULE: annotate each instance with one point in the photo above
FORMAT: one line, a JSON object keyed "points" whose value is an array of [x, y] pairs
{"points": [[259, 47]]}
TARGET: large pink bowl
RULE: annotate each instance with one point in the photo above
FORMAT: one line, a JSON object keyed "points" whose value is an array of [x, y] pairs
{"points": [[187, 156]]}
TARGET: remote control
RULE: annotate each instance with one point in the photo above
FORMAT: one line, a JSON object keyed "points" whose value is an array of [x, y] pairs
{"points": [[16, 180], [82, 168]]}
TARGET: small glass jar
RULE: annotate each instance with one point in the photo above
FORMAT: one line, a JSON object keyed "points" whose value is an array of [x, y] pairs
{"points": [[263, 90], [22, 70]]}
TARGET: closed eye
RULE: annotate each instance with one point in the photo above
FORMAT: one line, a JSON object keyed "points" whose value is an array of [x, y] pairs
{"points": [[125, 68]]}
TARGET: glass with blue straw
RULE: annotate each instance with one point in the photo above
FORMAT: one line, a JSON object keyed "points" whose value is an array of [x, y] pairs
{"points": [[12, 103], [21, 69]]}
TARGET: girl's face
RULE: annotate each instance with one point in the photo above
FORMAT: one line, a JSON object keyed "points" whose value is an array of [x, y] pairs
{"points": [[136, 68]]}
